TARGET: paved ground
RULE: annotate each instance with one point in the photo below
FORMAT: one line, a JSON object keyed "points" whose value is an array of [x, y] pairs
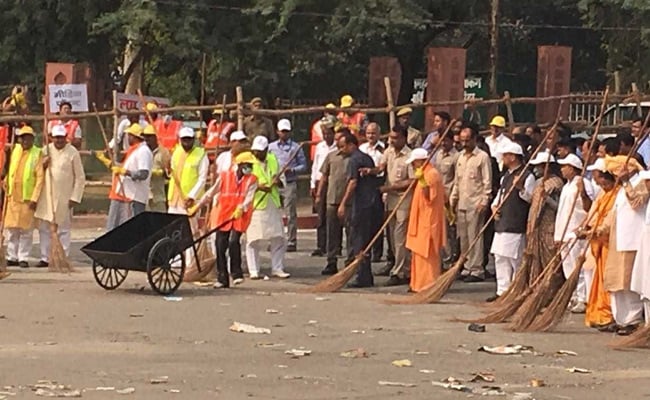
{"points": [[65, 328]]}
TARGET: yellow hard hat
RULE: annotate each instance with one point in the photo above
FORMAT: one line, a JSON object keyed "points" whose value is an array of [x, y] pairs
{"points": [[347, 101], [330, 105], [135, 130], [149, 130], [245, 158], [25, 130], [498, 121], [151, 107], [404, 111], [217, 111]]}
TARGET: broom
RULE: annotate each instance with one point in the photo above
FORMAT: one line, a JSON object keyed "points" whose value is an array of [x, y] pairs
{"points": [[438, 289], [639, 339], [554, 313], [58, 260], [522, 278], [3, 258], [338, 280]]}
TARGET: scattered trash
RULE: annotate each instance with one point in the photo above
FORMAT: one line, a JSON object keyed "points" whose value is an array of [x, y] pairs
{"points": [[158, 380], [133, 315], [427, 371], [356, 353], [421, 353], [263, 293], [358, 332], [507, 350], [322, 298], [396, 384], [245, 328], [297, 353], [402, 363], [291, 377], [128, 390], [203, 284], [270, 345], [566, 353], [379, 328], [250, 376], [491, 391], [272, 311], [173, 298], [483, 377], [312, 335], [452, 386], [537, 383], [172, 391], [200, 342], [282, 366], [576, 370], [58, 391], [312, 322], [522, 396], [478, 328], [104, 388]]}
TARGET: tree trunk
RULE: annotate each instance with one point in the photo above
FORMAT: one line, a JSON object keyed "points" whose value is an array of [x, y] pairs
{"points": [[133, 81], [494, 49]]}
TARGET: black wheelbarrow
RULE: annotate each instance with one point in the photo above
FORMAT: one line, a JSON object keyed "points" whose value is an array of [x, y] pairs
{"points": [[153, 243]]}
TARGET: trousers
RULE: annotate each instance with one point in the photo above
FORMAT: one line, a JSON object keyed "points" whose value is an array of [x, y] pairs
{"points": [[228, 242], [19, 243], [335, 234], [468, 225], [289, 195], [321, 229], [45, 236], [627, 307], [506, 268], [278, 248], [397, 228], [570, 258], [361, 232]]}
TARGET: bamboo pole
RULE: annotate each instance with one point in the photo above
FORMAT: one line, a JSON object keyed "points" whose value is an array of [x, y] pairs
{"points": [[203, 79], [116, 123], [511, 116], [390, 103], [240, 108]]}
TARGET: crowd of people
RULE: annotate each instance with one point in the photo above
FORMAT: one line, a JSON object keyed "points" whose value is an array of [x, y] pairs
{"points": [[437, 189]]}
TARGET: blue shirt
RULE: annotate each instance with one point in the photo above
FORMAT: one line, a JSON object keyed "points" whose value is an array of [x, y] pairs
{"points": [[283, 151], [428, 142], [644, 151]]}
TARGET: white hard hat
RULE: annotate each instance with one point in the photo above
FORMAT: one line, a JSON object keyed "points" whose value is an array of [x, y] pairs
{"points": [[284, 125], [58, 131], [571, 160], [186, 132], [260, 143]]}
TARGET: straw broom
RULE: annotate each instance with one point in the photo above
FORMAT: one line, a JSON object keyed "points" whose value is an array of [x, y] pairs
{"points": [[554, 313], [440, 287], [58, 260], [338, 280], [639, 339]]}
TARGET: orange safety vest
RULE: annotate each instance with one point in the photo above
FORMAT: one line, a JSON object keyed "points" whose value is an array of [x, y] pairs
{"points": [[316, 137], [167, 133], [70, 126], [218, 134], [114, 194], [231, 195]]}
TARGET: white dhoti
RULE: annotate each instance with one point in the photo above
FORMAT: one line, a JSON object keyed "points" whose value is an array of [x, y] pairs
{"points": [[266, 225], [569, 262], [19, 243], [508, 250], [627, 307], [640, 282], [45, 236]]}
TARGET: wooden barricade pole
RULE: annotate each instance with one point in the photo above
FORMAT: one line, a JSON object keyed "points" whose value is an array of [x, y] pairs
{"points": [[511, 116], [240, 108], [390, 103]]}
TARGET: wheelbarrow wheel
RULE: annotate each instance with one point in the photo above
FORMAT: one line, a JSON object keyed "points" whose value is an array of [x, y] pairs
{"points": [[108, 278], [165, 266]]}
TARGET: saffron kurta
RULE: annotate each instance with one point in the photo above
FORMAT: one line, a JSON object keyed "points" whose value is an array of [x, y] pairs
{"points": [[18, 214], [599, 308], [67, 174], [426, 233]]}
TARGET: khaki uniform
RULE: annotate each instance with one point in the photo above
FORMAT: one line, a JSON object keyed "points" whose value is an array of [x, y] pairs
{"points": [[256, 126], [414, 138], [334, 168], [445, 163]]}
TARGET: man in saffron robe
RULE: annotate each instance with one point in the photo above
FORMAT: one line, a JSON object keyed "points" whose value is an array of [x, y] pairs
{"points": [[426, 234]]}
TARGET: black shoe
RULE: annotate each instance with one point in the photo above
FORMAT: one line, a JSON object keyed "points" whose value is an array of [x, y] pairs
{"points": [[473, 279], [489, 276], [317, 253], [385, 271], [607, 328], [626, 330], [492, 299], [357, 285], [396, 281], [12, 263], [329, 270], [23, 264], [410, 290], [42, 264], [291, 248]]}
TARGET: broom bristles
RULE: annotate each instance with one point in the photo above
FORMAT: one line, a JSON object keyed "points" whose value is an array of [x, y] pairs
{"points": [[58, 260], [554, 313], [338, 280], [205, 259], [437, 290], [504, 312], [639, 339]]}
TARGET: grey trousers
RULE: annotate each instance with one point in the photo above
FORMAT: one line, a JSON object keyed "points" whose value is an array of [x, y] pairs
{"points": [[468, 225], [120, 211], [335, 234], [397, 227], [289, 194]]}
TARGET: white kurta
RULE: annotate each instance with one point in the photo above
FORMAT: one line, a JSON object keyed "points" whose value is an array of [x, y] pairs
{"points": [[265, 224], [67, 173], [628, 220], [564, 216], [641, 271]]}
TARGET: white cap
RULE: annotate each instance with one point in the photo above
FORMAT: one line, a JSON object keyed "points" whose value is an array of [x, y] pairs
{"points": [[645, 175], [417, 154], [186, 132], [284, 125], [542, 157], [58, 131], [236, 136], [571, 160], [260, 143], [599, 165], [510, 147]]}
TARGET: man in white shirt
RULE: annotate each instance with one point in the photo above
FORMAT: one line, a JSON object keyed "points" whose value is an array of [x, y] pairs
{"points": [[322, 149], [238, 142], [574, 204], [189, 172], [511, 219], [375, 149], [497, 138]]}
